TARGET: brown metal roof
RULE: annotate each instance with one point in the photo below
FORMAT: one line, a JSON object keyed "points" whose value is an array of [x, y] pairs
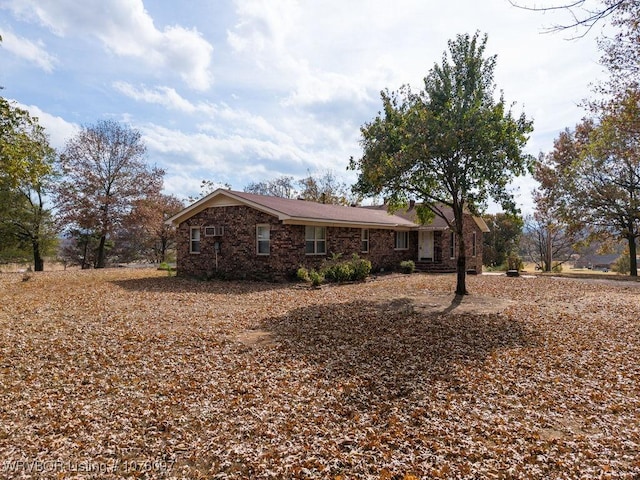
{"points": [[299, 211], [410, 214]]}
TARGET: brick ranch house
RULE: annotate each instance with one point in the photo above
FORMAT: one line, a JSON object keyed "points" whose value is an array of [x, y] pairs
{"points": [[247, 236]]}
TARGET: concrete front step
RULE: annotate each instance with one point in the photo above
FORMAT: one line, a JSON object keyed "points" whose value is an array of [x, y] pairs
{"points": [[430, 267]]}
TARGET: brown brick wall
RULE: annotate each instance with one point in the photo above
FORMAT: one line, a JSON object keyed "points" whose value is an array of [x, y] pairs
{"points": [[443, 241], [238, 259]]}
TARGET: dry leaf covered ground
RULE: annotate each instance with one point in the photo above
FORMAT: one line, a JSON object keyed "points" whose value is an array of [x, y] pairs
{"points": [[132, 374]]}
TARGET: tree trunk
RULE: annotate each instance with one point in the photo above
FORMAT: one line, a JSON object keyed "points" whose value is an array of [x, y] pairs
{"points": [[38, 262], [461, 265], [100, 261], [84, 264], [163, 249], [633, 259], [548, 252]]}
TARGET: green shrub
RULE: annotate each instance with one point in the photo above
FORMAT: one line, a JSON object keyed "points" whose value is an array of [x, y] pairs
{"points": [[317, 278], [303, 274], [514, 262], [622, 265], [168, 268], [361, 267], [337, 270], [356, 269], [340, 272], [556, 267], [407, 266]]}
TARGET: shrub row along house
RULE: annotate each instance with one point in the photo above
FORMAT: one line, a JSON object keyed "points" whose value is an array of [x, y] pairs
{"points": [[247, 236]]}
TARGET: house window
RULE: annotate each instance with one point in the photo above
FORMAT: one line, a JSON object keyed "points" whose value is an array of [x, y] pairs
{"points": [[452, 245], [473, 245], [263, 235], [365, 240], [194, 244], [402, 240], [316, 240]]}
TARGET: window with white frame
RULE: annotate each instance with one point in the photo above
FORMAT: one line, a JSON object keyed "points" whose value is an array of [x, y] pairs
{"points": [[194, 242], [315, 240], [474, 248], [402, 240], [263, 236], [365, 240], [452, 245]]}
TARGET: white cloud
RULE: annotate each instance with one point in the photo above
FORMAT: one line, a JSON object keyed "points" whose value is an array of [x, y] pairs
{"points": [[30, 51], [165, 96], [287, 43], [294, 80], [228, 154], [223, 121], [336, 51], [125, 28], [58, 129]]}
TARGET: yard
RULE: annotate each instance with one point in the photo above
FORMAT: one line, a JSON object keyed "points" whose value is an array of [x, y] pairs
{"points": [[132, 373]]}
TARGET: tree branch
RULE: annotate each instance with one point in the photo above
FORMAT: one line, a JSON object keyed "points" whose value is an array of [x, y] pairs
{"points": [[588, 22]]}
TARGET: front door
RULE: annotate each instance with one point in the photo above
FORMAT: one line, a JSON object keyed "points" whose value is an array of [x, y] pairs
{"points": [[425, 245]]}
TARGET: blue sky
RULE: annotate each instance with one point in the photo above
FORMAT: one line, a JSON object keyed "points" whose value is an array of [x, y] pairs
{"points": [[247, 90]]}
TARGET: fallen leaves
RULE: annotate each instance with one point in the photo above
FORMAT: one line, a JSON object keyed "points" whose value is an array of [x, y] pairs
{"points": [[130, 373]]}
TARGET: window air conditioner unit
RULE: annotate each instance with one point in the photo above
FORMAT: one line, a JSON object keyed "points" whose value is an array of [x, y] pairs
{"points": [[214, 231]]}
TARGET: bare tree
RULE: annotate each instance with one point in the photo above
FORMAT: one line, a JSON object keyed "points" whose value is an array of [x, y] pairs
{"points": [[207, 187], [546, 242], [282, 187], [322, 188]]}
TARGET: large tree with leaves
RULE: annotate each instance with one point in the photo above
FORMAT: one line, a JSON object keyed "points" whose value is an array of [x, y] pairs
{"points": [[551, 234], [453, 144], [104, 175], [26, 173], [597, 172], [503, 238]]}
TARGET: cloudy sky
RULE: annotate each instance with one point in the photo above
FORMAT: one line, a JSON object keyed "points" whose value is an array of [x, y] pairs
{"points": [[240, 91]]}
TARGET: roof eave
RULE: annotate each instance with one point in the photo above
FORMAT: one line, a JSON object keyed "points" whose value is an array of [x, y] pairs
{"points": [[482, 225], [346, 223]]}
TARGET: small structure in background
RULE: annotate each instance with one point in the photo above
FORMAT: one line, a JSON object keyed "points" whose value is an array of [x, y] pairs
{"points": [[602, 263]]}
